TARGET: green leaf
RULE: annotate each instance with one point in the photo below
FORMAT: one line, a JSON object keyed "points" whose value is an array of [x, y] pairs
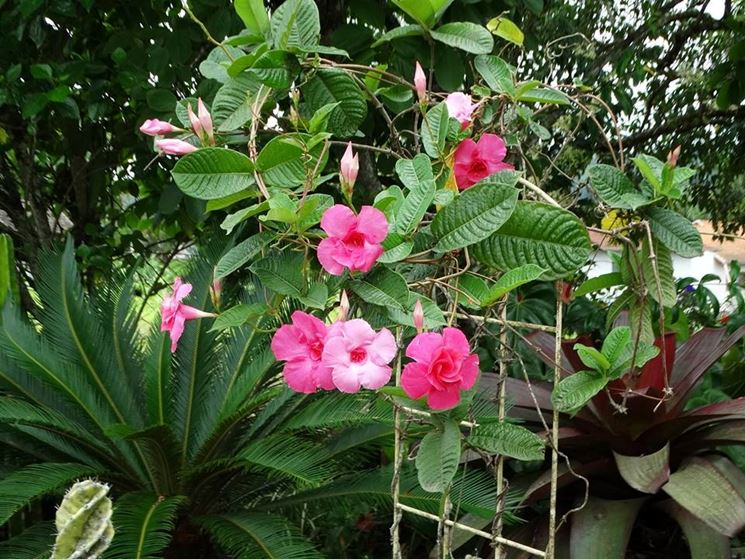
{"points": [[424, 12], [161, 100], [603, 528], [396, 248], [545, 96], [235, 218], [414, 206], [332, 85], [475, 289], [645, 473], [227, 201], [382, 287], [237, 316], [614, 187], [33, 543], [281, 208], [675, 232], [282, 160], [437, 458], [413, 172], [433, 317], [496, 73], [317, 296], [574, 391], [703, 541], [645, 165], [592, 358], [537, 233], [466, 36], [232, 104], [275, 69], [242, 253], [254, 16], [599, 283], [434, 130], [295, 25], [615, 343], [506, 29], [399, 32], [319, 120], [477, 213], [312, 209], [508, 439], [510, 280], [281, 272], [664, 261], [211, 173]]}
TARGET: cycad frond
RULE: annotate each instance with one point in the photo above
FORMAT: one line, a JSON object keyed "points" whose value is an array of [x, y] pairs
{"points": [[333, 410], [33, 543], [71, 450], [144, 524], [158, 371], [22, 486], [245, 535], [305, 462]]}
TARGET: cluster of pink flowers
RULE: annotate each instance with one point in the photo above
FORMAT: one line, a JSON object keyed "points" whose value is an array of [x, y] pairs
{"points": [[201, 124]]}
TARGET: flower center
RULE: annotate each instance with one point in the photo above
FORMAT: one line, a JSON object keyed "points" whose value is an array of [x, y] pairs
{"points": [[355, 239], [479, 167], [316, 349], [358, 355]]}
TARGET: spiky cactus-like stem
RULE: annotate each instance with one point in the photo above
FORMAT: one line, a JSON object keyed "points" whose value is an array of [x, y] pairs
{"points": [[83, 521]]}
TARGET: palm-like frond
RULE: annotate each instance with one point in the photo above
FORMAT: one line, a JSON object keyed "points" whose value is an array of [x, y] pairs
{"points": [[258, 536], [144, 523], [22, 486], [334, 410], [34, 543], [305, 462], [158, 371]]}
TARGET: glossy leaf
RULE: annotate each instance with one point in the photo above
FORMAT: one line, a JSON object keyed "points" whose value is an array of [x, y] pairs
{"points": [[398, 33], [382, 287], [295, 25], [410, 214], [512, 280], [282, 160], [211, 173], [465, 36], [254, 16], [413, 172], [437, 458], [602, 528], [506, 29], [615, 188], [396, 248], [281, 272], [646, 473], [332, 85], [509, 440], [665, 293], [242, 253], [424, 12], [675, 232], [496, 73], [574, 391], [434, 130], [237, 316], [598, 283]]}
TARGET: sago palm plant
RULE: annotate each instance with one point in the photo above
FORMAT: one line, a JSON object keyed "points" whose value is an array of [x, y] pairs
{"points": [[208, 454]]}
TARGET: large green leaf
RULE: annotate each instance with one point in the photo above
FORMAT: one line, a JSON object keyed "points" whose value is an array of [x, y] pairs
{"points": [[8, 279], [295, 25], [424, 12], [646, 473], [544, 96], [602, 528], [477, 213], [398, 33], [665, 293], [382, 287], [615, 188], [396, 248], [33, 543], [254, 16], [231, 108], [281, 272], [413, 172], [466, 36], [211, 173], [282, 161], [434, 129], [675, 232], [599, 283], [576, 390], [414, 206], [506, 29], [331, 85], [537, 233], [509, 440], [275, 69], [21, 487], [511, 280], [242, 253], [711, 493], [437, 458], [496, 73]]}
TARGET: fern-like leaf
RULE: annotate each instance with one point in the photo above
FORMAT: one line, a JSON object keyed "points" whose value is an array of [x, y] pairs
{"points": [[305, 462], [33, 543]]}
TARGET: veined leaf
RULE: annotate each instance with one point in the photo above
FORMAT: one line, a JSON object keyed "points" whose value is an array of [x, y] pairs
{"points": [[496, 73], [474, 288], [295, 25], [645, 165], [615, 343], [414, 206], [382, 287], [424, 12], [433, 317], [592, 358], [477, 213], [397, 33], [574, 391], [254, 16], [437, 458], [615, 188], [466, 36], [281, 272], [599, 283], [506, 29], [537, 233], [242, 253], [544, 96], [675, 232], [237, 316], [646, 473], [231, 220], [511, 280], [211, 173], [33, 543], [396, 248], [509, 440], [275, 69], [231, 108], [332, 85], [665, 294], [434, 130], [413, 172], [603, 528], [282, 160]]}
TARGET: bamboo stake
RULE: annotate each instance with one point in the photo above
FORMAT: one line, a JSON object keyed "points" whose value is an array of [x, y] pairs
{"points": [[551, 547], [397, 462], [499, 552]]}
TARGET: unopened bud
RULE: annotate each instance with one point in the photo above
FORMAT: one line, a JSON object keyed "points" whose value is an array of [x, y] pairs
{"points": [[216, 292], [350, 166], [420, 83], [672, 157], [343, 306], [418, 317]]}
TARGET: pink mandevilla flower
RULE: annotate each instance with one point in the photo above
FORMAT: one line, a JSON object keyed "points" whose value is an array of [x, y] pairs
{"points": [[155, 127], [420, 83], [301, 345], [460, 107], [477, 160], [174, 313], [175, 147], [353, 240], [358, 356], [443, 366]]}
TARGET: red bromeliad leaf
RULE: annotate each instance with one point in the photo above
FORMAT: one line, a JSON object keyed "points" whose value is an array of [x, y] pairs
{"points": [[703, 541], [602, 528], [645, 473]]}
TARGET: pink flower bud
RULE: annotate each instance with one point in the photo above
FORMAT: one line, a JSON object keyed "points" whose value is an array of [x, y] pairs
{"points": [[350, 166], [196, 124], [420, 82], [344, 305], [155, 127], [175, 147], [672, 157], [216, 292], [418, 317], [205, 118]]}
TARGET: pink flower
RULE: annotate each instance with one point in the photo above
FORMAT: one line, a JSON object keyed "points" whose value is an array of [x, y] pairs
{"points": [[358, 356], [174, 314], [350, 166], [419, 317], [353, 240], [205, 119], [175, 147], [475, 161], [155, 127], [444, 365], [196, 124], [420, 83], [343, 305], [460, 107], [301, 345]]}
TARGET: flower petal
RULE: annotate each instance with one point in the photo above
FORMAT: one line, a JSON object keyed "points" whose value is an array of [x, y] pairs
{"points": [[373, 376], [373, 224], [177, 329], [414, 380], [423, 346], [328, 248], [180, 289], [335, 352], [346, 379], [287, 345], [383, 348], [444, 399], [299, 375], [455, 340], [190, 313], [323, 376], [469, 372], [358, 333], [492, 148], [364, 259], [338, 221], [312, 328]]}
